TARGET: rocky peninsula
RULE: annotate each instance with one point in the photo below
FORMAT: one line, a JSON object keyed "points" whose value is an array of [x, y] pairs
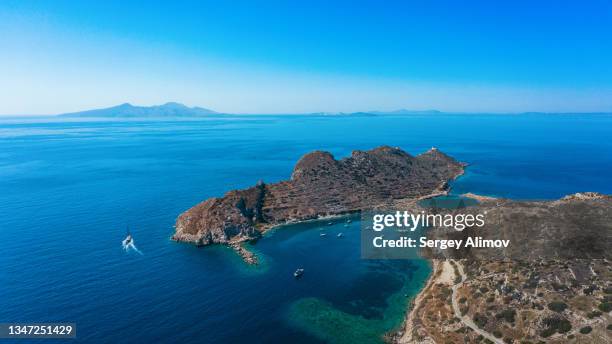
{"points": [[553, 286], [320, 186]]}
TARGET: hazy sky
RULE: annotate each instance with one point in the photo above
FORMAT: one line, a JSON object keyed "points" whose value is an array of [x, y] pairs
{"points": [[307, 56]]}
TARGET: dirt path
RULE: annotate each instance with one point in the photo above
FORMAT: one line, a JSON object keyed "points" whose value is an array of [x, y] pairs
{"points": [[465, 319]]}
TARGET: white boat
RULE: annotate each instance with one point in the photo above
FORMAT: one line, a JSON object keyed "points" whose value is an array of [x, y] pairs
{"points": [[128, 239], [298, 273], [340, 235]]}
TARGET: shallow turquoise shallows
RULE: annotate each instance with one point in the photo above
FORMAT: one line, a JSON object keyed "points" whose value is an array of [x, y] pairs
{"points": [[68, 188]]}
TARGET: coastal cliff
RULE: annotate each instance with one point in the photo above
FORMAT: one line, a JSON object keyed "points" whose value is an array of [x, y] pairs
{"points": [[320, 186]]}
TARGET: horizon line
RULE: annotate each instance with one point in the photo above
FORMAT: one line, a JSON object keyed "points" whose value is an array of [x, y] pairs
{"points": [[333, 114], [397, 111]]}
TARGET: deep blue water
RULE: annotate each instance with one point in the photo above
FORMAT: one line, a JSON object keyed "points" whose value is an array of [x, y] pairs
{"points": [[68, 189]]}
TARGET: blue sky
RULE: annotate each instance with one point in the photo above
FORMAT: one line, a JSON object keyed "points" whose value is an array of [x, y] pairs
{"points": [[282, 57]]}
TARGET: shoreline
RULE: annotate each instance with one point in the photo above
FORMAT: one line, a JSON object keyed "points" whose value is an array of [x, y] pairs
{"points": [[250, 258], [479, 198], [438, 275], [438, 267], [405, 333], [342, 189]]}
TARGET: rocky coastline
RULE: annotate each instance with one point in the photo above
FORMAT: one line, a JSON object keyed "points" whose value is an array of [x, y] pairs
{"points": [[462, 293], [320, 186]]}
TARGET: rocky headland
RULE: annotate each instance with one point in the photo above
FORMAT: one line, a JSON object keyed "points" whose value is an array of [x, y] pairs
{"points": [[320, 186], [553, 285]]}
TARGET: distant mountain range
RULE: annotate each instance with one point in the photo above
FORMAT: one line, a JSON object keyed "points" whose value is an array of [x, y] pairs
{"points": [[173, 109], [406, 112], [374, 113], [128, 110]]}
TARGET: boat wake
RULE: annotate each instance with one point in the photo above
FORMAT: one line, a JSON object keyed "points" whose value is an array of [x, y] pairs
{"points": [[128, 244]]}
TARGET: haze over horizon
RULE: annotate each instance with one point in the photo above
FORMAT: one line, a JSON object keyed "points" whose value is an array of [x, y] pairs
{"points": [[170, 109], [274, 57]]}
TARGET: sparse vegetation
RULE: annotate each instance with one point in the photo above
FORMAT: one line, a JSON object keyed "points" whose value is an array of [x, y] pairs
{"points": [[500, 305], [480, 320], [258, 209], [605, 307], [558, 287], [557, 306], [589, 290], [594, 314], [507, 314], [547, 332], [462, 329], [246, 212], [555, 324]]}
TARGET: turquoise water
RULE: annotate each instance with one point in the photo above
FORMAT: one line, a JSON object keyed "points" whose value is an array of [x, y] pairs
{"points": [[68, 188]]}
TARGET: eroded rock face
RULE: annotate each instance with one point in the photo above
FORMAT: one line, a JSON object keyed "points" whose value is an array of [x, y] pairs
{"points": [[319, 186]]}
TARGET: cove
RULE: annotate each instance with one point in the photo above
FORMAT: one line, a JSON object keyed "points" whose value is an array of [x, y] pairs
{"points": [[341, 298]]}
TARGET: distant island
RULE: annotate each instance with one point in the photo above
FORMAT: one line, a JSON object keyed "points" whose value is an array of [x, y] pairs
{"points": [[170, 109], [377, 113], [174, 109], [407, 112]]}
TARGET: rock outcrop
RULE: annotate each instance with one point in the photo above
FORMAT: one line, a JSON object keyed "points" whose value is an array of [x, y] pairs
{"points": [[319, 186]]}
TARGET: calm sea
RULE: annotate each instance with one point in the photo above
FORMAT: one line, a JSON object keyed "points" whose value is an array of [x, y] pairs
{"points": [[69, 188]]}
